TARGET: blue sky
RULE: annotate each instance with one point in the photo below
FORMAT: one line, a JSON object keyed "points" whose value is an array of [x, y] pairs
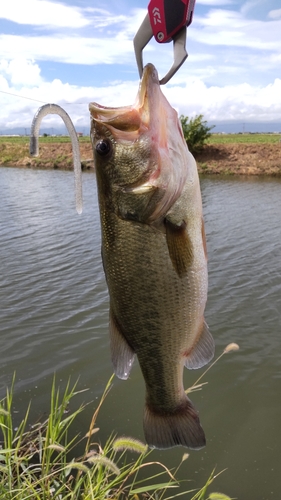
{"points": [[73, 52]]}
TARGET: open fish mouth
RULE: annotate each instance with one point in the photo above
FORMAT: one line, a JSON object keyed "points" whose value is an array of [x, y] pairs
{"points": [[141, 114]]}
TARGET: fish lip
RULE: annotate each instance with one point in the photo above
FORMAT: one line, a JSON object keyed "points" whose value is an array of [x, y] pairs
{"points": [[103, 113], [149, 80]]}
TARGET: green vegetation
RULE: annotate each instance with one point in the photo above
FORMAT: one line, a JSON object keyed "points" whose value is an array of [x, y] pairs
{"points": [[43, 140], [195, 131], [243, 138], [35, 463]]}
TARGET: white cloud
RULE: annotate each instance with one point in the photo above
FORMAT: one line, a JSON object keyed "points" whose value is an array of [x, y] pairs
{"points": [[275, 14], [226, 50], [101, 18], [42, 13], [220, 28], [21, 71], [231, 28], [230, 102], [248, 6], [18, 105], [102, 46], [4, 85], [67, 49], [243, 102], [215, 2]]}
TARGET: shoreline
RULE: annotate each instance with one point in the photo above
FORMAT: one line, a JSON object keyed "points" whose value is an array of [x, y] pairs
{"points": [[228, 159], [240, 159]]}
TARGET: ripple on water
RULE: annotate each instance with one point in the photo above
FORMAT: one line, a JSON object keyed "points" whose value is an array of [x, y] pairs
{"points": [[54, 315]]}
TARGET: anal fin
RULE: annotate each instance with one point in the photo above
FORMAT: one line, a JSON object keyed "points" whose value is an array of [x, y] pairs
{"points": [[203, 351], [122, 354]]}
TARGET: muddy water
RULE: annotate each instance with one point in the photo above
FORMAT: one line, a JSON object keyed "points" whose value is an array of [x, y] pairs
{"points": [[54, 307]]}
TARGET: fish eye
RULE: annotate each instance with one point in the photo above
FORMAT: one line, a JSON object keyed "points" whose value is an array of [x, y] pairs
{"points": [[103, 147]]}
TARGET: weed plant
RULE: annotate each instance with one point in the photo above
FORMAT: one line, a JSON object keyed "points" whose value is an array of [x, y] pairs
{"points": [[195, 131], [34, 461]]}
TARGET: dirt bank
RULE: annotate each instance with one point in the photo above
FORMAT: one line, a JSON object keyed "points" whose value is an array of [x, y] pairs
{"points": [[246, 159], [51, 155]]}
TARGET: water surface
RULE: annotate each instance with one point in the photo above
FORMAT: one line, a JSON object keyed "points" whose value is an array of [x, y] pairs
{"points": [[54, 314]]}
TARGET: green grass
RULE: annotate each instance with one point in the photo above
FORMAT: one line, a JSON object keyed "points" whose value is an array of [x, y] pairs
{"points": [[35, 463], [42, 140], [244, 139], [214, 139]]}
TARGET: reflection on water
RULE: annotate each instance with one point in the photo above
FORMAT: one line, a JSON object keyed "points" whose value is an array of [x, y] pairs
{"points": [[54, 312]]}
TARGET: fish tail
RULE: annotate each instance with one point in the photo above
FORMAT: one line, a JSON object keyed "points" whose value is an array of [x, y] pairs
{"points": [[178, 428]]}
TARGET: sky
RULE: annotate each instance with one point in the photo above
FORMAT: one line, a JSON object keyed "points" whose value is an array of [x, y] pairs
{"points": [[73, 52]]}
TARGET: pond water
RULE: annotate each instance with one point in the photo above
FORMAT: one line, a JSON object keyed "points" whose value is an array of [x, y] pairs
{"points": [[54, 319]]}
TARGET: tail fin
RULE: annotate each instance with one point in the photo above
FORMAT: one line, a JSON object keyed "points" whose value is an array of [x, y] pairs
{"points": [[181, 427]]}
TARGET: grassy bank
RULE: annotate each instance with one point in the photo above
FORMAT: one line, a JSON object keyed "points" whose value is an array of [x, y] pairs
{"points": [[246, 154], [241, 154], [35, 463], [54, 152], [38, 462]]}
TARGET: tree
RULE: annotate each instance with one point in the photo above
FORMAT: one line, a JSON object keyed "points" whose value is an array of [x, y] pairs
{"points": [[195, 131]]}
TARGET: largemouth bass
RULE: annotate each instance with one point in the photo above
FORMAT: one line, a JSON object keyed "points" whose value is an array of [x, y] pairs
{"points": [[154, 256]]}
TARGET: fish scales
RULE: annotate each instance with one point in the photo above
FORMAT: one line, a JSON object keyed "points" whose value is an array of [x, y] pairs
{"points": [[154, 257]]}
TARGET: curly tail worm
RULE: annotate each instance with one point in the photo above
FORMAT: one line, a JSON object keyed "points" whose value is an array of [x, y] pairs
{"points": [[54, 109]]}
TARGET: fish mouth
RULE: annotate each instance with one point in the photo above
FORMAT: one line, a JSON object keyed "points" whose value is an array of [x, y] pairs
{"points": [[133, 118]]}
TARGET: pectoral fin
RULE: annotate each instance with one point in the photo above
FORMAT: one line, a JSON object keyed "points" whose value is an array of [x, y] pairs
{"points": [[180, 247], [204, 238], [203, 351], [122, 354]]}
